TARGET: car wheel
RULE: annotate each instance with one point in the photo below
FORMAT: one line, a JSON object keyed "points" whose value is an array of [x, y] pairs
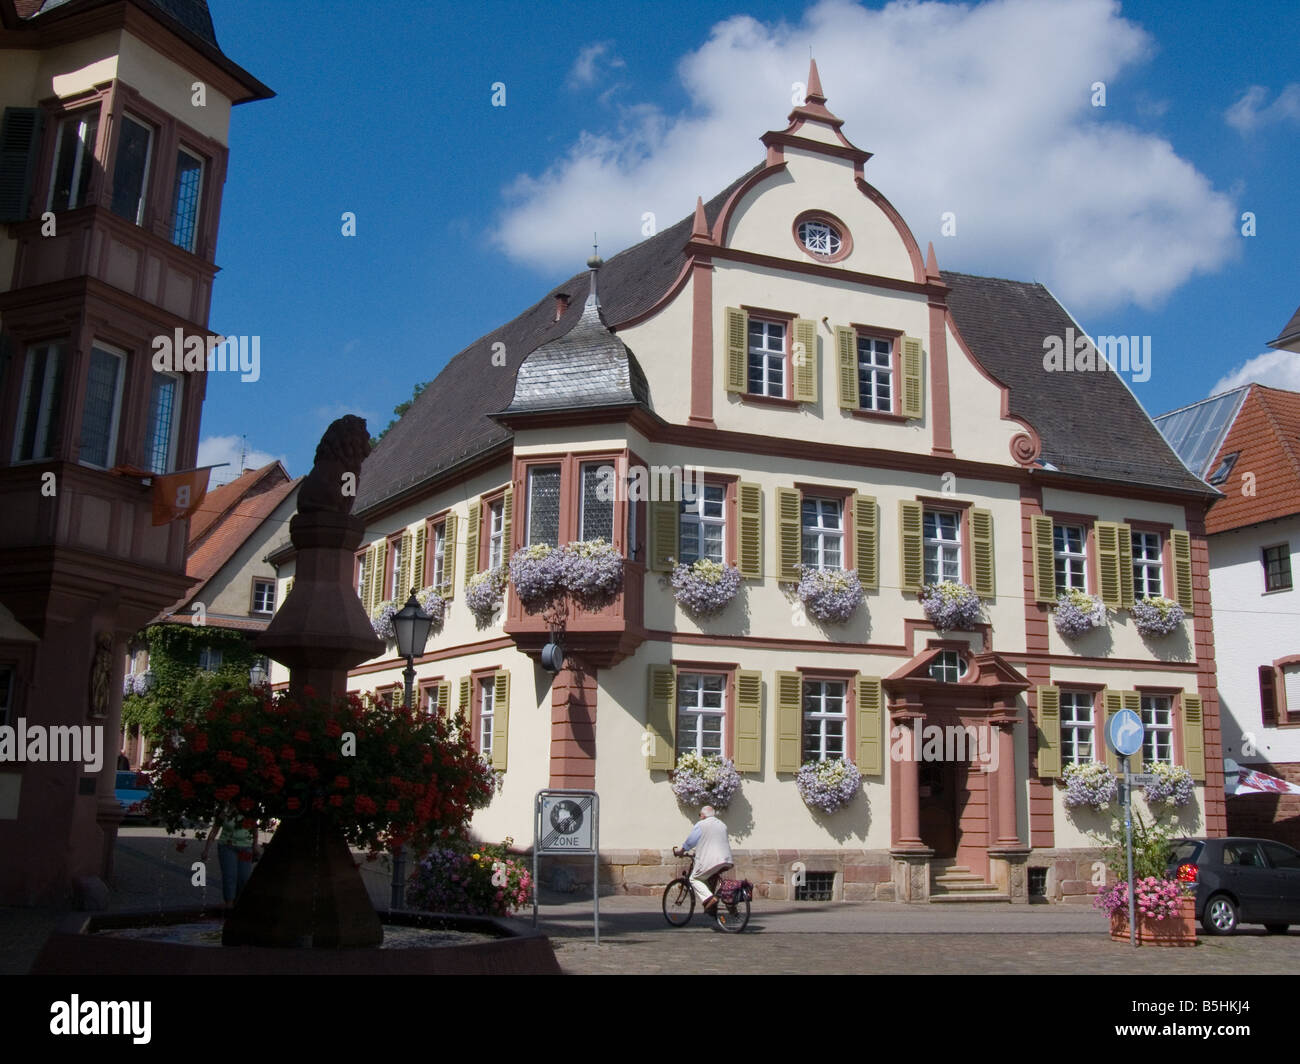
{"points": [[1276, 929], [1220, 915]]}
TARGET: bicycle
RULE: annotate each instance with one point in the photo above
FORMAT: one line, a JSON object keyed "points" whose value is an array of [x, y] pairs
{"points": [[732, 911]]}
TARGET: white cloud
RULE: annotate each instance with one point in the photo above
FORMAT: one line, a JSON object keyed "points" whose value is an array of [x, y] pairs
{"points": [[215, 449], [594, 61], [1248, 114], [1276, 369], [984, 111]]}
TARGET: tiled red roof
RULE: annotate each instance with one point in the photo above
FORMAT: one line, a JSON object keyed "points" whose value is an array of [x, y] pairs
{"points": [[220, 501], [1266, 438]]}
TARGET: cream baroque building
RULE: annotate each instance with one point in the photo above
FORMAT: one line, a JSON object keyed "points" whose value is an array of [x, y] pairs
{"points": [[848, 406]]}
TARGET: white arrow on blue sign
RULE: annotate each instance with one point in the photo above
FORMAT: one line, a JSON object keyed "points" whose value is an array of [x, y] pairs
{"points": [[1124, 733]]}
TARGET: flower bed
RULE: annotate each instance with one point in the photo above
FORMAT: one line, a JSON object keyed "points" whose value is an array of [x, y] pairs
{"points": [[951, 606], [1090, 783], [484, 592], [1157, 616], [1077, 613], [705, 780], [705, 588], [830, 595], [1173, 785], [828, 785], [481, 880], [1166, 913]]}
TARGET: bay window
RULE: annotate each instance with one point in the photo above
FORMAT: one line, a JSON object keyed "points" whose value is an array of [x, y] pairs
{"points": [[131, 169], [38, 411], [164, 422], [102, 407], [187, 191], [74, 159], [543, 506], [596, 520]]}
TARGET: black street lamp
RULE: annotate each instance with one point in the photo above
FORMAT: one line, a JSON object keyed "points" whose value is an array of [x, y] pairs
{"points": [[257, 675], [412, 629]]}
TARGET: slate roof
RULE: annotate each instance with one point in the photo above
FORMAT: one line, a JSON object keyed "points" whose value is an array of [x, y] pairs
{"points": [[1090, 423], [191, 15], [1266, 437], [1091, 426], [1289, 337]]}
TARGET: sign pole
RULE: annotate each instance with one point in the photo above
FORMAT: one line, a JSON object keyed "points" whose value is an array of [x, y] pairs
{"points": [[1128, 846], [537, 834], [595, 868]]}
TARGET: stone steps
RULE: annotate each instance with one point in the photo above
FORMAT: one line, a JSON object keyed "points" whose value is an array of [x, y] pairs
{"points": [[957, 883]]}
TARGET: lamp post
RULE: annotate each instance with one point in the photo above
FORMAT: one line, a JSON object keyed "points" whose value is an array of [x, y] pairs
{"points": [[412, 629], [257, 675]]}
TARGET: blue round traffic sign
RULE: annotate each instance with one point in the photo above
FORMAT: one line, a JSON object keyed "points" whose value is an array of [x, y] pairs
{"points": [[1124, 733]]}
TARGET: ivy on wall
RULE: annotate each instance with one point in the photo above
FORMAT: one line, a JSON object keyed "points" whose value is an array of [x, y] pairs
{"points": [[178, 682]]}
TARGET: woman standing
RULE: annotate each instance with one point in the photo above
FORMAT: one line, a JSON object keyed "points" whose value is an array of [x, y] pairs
{"points": [[237, 849]]}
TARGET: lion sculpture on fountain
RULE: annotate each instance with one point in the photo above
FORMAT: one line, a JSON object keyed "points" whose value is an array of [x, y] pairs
{"points": [[328, 488]]}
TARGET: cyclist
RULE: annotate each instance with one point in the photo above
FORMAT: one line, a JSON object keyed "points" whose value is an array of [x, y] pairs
{"points": [[712, 855]]}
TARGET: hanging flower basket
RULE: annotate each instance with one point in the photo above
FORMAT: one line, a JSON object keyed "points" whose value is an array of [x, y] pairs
{"points": [[433, 606], [1157, 616], [828, 785], [951, 606], [707, 779], [705, 588], [484, 592], [830, 595], [1091, 783], [1166, 912], [138, 683], [1173, 785], [381, 620], [537, 573], [592, 573], [1078, 613]]}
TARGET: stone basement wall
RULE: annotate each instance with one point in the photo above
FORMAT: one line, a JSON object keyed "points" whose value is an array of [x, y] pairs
{"points": [[1069, 874]]}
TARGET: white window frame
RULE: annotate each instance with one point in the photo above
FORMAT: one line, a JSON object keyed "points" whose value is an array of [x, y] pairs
{"points": [[1145, 564], [83, 159], [148, 165], [532, 473], [871, 374], [181, 149], [210, 658], [486, 713], [1078, 716], [944, 551], [834, 239], [268, 597], [439, 574], [817, 538], [693, 709], [770, 358], [1158, 725], [55, 353], [1069, 565], [496, 533], [695, 514], [816, 721], [583, 467], [948, 666], [395, 594], [361, 578], [174, 433], [115, 419]]}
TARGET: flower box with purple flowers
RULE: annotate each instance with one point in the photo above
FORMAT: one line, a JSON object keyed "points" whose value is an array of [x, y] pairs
{"points": [[1157, 616], [951, 606], [1078, 613], [829, 785], [705, 588], [830, 595]]}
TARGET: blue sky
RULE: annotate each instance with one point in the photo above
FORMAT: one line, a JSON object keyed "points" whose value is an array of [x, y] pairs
{"points": [[469, 213]]}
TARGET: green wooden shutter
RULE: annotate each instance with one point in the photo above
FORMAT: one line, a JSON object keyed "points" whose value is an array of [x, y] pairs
{"points": [[737, 350], [789, 722], [806, 377], [1124, 535], [870, 725], [913, 378], [661, 717], [1044, 558], [288, 588], [1193, 737], [417, 557], [449, 557], [500, 718], [749, 499], [380, 572], [1112, 702], [465, 706], [20, 149], [789, 534], [664, 524], [1108, 563], [846, 360], [399, 696], [749, 721], [1132, 700], [444, 696], [866, 541], [1049, 732], [404, 571], [1182, 548], [507, 523], [471, 539], [911, 553], [981, 528]]}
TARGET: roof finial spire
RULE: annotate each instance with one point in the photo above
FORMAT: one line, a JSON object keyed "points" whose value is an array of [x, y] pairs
{"points": [[593, 264], [931, 264], [700, 226], [814, 93]]}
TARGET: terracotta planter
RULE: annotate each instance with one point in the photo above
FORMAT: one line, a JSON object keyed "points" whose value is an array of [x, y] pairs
{"points": [[1178, 931]]}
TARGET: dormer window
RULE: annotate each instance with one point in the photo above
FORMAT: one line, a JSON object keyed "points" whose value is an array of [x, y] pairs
{"points": [[820, 237], [947, 666]]}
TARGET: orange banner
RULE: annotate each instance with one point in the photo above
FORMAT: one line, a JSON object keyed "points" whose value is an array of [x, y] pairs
{"points": [[178, 495]]}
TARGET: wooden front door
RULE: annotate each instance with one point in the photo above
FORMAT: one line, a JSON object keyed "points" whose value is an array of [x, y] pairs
{"points": [[938, 806]]}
